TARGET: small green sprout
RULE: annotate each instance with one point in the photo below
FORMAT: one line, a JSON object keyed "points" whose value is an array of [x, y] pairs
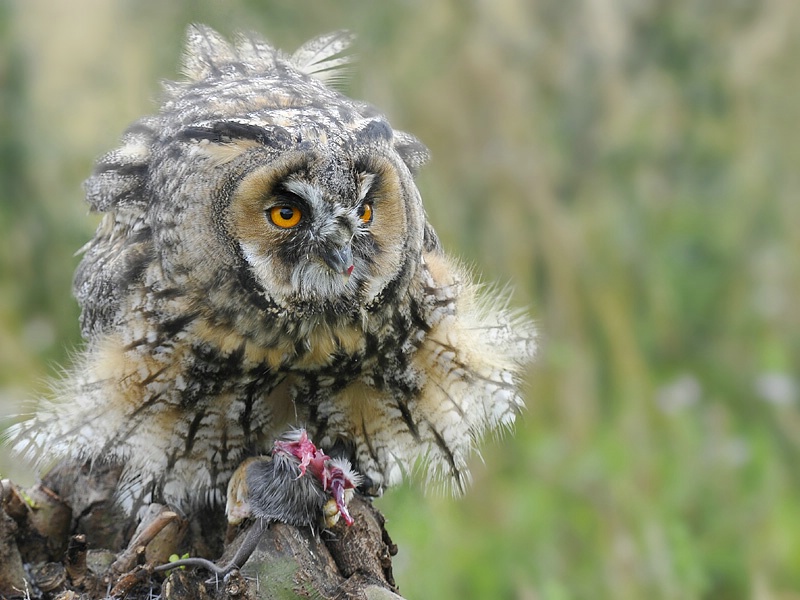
{"points": [[175, 557], [28, 500]]}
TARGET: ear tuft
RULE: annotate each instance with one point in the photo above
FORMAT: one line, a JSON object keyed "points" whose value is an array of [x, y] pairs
{"points": [[413, 152]]}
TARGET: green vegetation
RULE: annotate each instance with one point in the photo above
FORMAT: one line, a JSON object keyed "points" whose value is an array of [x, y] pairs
{"points": [[629, 166]]}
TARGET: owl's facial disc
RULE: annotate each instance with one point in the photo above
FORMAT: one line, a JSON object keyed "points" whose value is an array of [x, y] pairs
{"points": [[302, 241], [319, 234]]}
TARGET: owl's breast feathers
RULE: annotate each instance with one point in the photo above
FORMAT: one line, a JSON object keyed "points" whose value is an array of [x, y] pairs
{"points": [[191, 363]]}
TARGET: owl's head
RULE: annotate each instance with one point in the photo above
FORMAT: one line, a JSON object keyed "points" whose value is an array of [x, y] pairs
{"points": [[324, 227], [263, 188]]}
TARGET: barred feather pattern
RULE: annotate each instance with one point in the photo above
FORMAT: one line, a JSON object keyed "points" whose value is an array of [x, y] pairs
{"points": [[211, 328]]}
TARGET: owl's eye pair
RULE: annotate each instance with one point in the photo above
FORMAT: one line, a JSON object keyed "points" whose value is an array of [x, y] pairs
{"points": [[285, 216]]}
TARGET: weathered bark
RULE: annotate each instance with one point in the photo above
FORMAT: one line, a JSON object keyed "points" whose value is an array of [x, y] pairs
{"points": [[65, 539]]}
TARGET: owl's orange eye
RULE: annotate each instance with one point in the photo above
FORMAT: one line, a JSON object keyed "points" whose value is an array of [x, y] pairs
{"points": [[365, 213], [285, 216]]}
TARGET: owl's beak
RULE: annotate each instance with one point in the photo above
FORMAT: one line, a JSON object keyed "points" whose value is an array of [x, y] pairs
{"points": [[340, 259]]}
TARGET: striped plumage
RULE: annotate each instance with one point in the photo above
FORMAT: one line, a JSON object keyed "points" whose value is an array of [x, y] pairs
{"points": [[214, 321]]}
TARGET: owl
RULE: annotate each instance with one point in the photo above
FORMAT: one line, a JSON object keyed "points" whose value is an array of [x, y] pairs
{"points": [[264, 262]]}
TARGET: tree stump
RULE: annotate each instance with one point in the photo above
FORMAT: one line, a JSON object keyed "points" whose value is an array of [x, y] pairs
{"points": [[66, 539]]}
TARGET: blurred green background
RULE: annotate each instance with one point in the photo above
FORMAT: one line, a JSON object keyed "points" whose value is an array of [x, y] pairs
{"points": [[630, 166]]}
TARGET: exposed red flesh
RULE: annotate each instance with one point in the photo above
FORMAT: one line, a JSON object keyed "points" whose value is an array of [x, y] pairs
{"points": [[333, 479]]}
